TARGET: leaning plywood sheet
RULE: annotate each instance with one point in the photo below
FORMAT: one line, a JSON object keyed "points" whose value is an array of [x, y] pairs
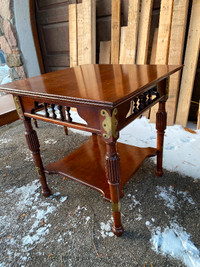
{"points": [[115, 31], [104, 54], [89, 31], [164, 31], [176, 46], [144, 30], [73, 36], [130, 34], [190, 65]]}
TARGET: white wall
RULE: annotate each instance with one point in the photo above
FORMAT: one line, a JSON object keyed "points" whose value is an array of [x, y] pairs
{"points": [[25, 37]]}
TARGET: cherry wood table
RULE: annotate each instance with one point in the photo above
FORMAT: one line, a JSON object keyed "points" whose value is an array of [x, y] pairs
{"points": [[107, 97]]}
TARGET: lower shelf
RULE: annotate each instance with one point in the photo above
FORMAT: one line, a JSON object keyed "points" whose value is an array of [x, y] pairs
{"points": [[86, 164]]}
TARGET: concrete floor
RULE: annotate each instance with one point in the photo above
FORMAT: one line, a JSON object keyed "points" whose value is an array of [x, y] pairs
{"points": [[72, 228]]}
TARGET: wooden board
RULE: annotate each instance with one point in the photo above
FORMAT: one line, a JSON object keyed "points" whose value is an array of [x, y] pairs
{"points": [[73, 36], [104, 54], [177, 39], [190, 65], [144, 30], [115, 31], [154, 47], [122, 45], [164, 32], [89, 31], [8, 111], [80, 33], [130, 34], [152, 61]]}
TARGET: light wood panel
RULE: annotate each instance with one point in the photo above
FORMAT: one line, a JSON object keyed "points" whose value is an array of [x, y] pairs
{"points": [[190, 65], [152, 61], [122, 45], [144, 30], [73, 36], [8, 111], [80, 33], [104, 54], [115, 31], [130, 34], [176, 47], [89, 31], [164, 32]]}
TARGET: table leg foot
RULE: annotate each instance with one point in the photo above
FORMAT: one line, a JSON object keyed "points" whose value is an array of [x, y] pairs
{"points": [[118, 231], [46, 192], [159, 173]]}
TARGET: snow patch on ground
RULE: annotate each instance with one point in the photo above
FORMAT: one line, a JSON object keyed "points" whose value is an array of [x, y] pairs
{"points": [[174, 241], [106, 228], [4, 75], [181, 148], [169, 196], [4, 141], [31, 212]]}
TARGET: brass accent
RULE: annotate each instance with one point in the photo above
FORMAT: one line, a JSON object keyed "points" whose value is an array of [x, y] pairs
{"points": [[39, 172], [116, 207], [110, 124], [18, 107]]}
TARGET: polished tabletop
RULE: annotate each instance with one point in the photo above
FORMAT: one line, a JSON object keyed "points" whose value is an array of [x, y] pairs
{"points": [[92, 83]]}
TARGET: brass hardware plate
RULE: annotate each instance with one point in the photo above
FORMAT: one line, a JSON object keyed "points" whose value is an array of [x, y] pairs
{"points": [[116, 207], [110, 124], [39, 172], [18, 107]]}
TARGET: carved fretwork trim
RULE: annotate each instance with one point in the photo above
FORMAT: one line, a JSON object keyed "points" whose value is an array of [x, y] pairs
{"points": [[18, 107], [109, 124], [140, 102]]}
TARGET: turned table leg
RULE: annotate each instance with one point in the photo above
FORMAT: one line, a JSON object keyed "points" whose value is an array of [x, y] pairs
{"points": [[161, 119], [112, 168], [34, 146]]}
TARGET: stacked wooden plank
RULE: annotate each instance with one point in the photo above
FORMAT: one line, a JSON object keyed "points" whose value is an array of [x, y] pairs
{"points": [[82, 33], [129, 44]]}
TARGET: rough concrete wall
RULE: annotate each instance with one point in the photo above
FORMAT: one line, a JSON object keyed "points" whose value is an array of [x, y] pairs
{"points": [[9, 42]]}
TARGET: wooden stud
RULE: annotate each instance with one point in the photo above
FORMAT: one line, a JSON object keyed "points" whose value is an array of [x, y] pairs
{"points": [[154, 47], [89, 31], [190, 65], [122, 45], [164, 32], [144, 30], [73, 36], [80, 33], [152, 61], [130, 34], [104, 55], [176, 47], [115, 31]]}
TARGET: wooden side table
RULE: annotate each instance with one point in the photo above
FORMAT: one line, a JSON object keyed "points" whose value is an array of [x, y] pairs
{"points": [[107, 97]]}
